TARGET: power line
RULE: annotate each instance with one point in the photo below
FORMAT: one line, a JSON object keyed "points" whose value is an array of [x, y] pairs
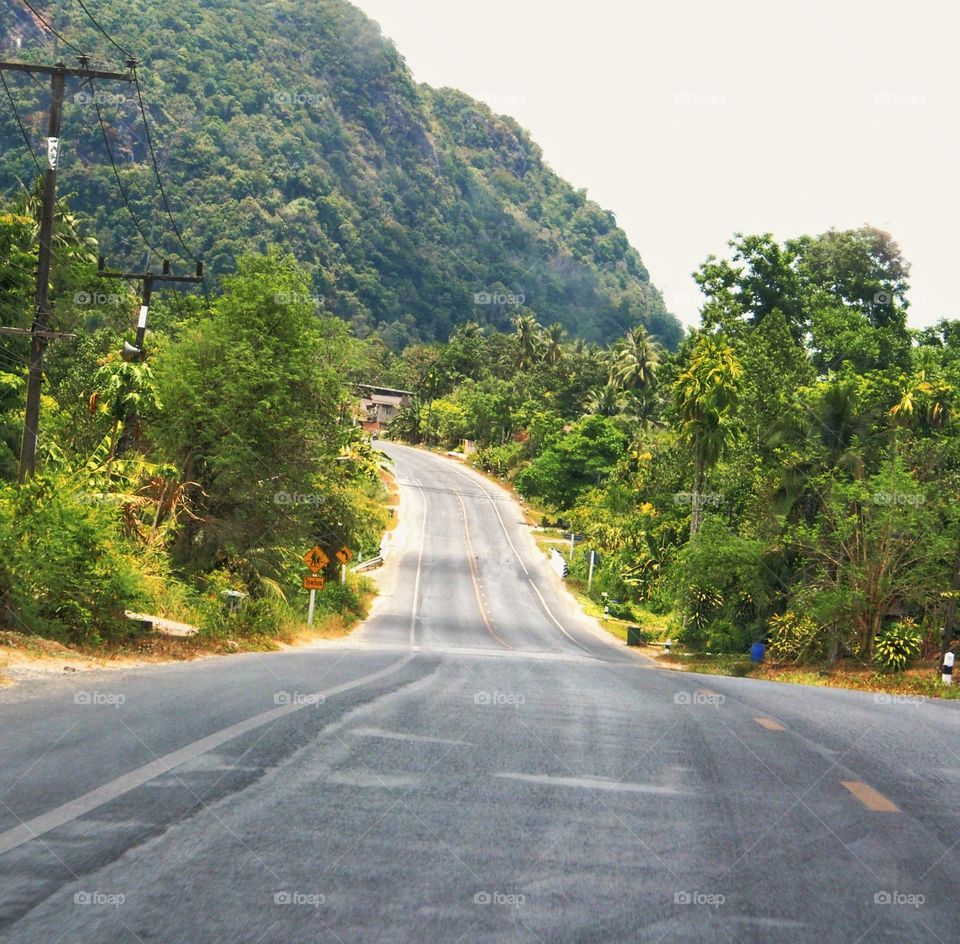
{"points": [[116, 174], [163, 193], [156, 169], [16, 114], [101, 30], [65, 42]]}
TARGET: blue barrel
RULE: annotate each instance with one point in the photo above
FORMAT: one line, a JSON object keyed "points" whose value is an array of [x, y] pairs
{"points": [[757, 651]]}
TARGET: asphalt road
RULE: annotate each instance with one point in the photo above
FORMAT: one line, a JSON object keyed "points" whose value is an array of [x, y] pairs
{"points": [[478, 764]]}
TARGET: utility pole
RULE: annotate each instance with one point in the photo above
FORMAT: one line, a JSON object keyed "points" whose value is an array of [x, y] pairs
{"points": [[40, 330], [135, 352], [148, 280]]}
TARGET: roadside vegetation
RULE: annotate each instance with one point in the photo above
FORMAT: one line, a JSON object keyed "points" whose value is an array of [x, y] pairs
{"points": [[788, 475], [207, 468]]}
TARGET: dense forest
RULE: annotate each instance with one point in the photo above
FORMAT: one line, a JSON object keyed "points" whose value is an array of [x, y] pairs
{"points": [[789, 474], [298, 125]]}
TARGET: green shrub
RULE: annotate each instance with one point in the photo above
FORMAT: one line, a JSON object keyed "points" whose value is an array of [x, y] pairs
{"points": [[499, 460], [723, 588], [66, 572], [897, 646], [795, 638]]}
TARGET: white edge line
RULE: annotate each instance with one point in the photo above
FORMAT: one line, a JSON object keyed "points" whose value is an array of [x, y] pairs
{"points": [[73, 809]]}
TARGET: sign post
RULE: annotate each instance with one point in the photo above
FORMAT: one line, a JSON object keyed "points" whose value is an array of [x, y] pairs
{"points": [[344, 555], [316, 560], [593, 559]]}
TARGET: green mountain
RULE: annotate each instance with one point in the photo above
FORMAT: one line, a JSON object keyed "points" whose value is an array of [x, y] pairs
{"points": [[299, 124]]}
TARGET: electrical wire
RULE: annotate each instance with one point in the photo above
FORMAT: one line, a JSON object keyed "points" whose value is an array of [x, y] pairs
{"points": [[16, 114], [65, 42], [156, 170], [101, 30], [116, 174], [163, 193]]}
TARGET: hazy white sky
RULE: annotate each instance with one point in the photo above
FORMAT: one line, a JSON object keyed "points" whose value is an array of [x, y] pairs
{"points": [[693, 120]]}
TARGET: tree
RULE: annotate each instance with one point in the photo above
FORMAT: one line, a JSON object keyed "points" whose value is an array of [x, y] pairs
{"points": [[553, 338], [251, 414], [635, 361], [573, 462], [706, 396], [527, 337]]}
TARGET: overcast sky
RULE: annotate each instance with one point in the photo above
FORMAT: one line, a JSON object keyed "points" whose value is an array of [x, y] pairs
{"points": [[694, 120]]}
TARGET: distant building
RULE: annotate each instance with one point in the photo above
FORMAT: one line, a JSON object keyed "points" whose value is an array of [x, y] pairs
{"points": [[380, 405]]}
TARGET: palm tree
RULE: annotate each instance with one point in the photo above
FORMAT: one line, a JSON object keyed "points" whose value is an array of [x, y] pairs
{"points": [[553, 339], [608, 400], [706, 394], [527, 336], [635, 361]]}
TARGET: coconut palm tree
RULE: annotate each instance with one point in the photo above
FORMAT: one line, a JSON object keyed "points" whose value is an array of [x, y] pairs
{"points": [[553, 338], [706, 394], [608, 400], [636, 360], [527, 335]]}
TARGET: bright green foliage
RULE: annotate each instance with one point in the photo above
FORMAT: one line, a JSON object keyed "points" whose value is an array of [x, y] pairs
{"points": [[573, 462], [794, 637], [66, 571], [724, 589], [897, 646]]}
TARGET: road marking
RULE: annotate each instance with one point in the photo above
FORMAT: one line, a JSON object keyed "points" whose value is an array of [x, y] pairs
{"points": [[543, 603], [471, 560], [369, 778], [770, 724], [593, 783], [496, 510], [74, 809], [516, 554], [400, 736], [416, 582], [870, 798]]}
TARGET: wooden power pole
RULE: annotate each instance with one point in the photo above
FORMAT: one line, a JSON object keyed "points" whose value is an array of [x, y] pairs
{"points": [[40, 330]]}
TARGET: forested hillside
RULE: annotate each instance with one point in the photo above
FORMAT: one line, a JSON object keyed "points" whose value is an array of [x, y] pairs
{"points": [[299, 125]]}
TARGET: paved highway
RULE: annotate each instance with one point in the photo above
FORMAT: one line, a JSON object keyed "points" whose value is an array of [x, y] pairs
{"points": [[477, 764]]}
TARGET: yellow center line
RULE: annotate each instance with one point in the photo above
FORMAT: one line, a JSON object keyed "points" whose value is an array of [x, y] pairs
{"points": [[473, 576], [769, 724], [870, 798]]}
